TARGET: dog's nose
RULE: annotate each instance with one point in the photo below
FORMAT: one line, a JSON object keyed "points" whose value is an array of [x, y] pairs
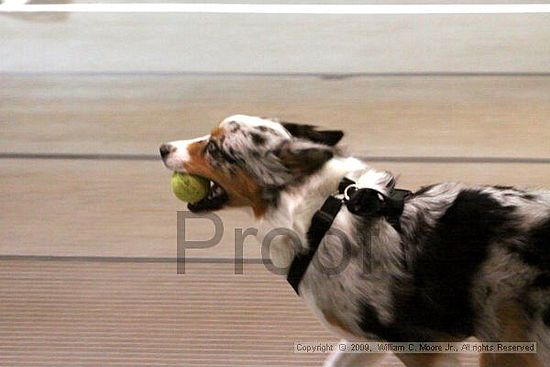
{"points": [[165, 149]]}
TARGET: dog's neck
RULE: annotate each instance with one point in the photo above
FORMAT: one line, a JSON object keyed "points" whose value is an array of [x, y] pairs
{"points": [[296, 207]]}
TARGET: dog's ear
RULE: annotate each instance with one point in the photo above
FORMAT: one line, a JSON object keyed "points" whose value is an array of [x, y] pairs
{"points": [[310, 132], [303, 158]]}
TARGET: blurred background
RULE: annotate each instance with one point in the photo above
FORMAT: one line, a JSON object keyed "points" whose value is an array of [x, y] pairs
{"points": [[88, 222]]}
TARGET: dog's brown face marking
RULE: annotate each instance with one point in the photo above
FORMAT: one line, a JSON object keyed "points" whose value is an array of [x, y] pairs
{"points": [[206, 159]]}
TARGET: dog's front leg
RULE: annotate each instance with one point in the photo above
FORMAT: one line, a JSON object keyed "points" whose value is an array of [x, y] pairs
{"points": [[344, 359]]}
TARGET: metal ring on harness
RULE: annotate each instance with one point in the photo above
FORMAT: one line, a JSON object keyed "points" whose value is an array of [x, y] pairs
{"points": [[346, 196]]}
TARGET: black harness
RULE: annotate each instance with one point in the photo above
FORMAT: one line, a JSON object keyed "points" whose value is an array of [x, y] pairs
{"points": [[363, 202]]}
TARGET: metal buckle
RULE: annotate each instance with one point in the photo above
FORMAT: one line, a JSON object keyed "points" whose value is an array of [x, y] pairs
{"points": [[346, 196]]}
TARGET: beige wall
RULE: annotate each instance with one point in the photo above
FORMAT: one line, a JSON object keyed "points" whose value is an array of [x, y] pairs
{"points": [[251, 43]]}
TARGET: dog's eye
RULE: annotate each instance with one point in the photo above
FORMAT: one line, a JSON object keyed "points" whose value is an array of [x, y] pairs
{"points": [[212, 148]]}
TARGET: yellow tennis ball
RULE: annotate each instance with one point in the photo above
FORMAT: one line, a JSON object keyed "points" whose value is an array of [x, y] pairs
{"points": [[189, 188]]}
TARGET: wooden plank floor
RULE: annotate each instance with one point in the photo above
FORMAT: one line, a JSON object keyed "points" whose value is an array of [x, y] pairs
{"points": [[105, 313], [382, 116], [96, 313], [113, 208], [87, 244]]}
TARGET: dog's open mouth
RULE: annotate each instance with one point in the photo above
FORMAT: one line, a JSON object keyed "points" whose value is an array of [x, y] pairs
{"points": [[217, 197]]}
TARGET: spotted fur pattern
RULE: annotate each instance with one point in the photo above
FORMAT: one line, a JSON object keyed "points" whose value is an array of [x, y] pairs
{"points": [[469, 260]]}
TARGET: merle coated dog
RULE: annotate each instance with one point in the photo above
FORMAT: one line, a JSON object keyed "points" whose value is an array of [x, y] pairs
{"points": [[466, 260]]}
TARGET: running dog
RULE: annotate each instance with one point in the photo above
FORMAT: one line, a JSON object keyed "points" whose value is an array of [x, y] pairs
{"points": [[462, 260]]}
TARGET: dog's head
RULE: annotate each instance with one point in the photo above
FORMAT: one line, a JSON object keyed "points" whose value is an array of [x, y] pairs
{"points": [[250, 159]]}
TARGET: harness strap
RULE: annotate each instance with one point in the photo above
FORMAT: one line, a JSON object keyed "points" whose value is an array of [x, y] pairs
{"points": [[363, 202], [320, 224]]}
